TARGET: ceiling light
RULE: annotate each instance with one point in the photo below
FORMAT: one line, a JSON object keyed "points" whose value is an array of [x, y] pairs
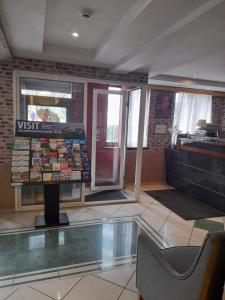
{"points": [[75, 34]]}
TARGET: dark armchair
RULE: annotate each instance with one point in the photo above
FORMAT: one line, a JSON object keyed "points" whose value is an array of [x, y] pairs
{"points": [[181, 273]]}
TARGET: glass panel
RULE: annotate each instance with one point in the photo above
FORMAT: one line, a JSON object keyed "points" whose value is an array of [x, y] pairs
{"points": [[108, 140], [51, 101], [133, 119], [60, 247], [113, 118]]}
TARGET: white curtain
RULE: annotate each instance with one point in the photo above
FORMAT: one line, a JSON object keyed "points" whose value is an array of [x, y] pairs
{"points": [[189, 108], [133, 118]]}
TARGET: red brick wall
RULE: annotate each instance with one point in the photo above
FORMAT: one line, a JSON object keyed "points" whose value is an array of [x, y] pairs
{"points": [[6, 112], [6, 89], [75, 105], [158, 142], [218, 112]]}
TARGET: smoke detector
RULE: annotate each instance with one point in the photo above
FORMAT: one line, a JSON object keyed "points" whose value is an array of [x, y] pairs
{"points": [[86, 13]]}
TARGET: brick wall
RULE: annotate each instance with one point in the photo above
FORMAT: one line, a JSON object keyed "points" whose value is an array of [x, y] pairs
{"points": [[6, 112], [218, 112], [158, 142], [6, 89], [74, 106]]}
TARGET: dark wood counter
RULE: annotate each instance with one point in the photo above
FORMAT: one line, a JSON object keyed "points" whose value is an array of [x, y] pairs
{"points": [[207, 152], [198, 171]]}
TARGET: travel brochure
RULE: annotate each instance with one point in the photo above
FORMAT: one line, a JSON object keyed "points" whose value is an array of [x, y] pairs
{"points": [[49, 160]]}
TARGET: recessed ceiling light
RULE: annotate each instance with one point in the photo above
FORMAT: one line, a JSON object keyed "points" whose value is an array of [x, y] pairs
{"points": [[75, 34]]}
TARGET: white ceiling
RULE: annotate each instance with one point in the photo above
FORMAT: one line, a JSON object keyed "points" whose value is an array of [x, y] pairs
{"points": [[173, 37]]}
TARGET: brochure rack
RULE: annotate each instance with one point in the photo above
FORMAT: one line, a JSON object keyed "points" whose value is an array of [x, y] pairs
{"points": [[49, 153]]}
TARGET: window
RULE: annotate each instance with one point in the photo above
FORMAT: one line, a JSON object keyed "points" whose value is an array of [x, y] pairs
{"points": [[46, 88], [189, 108], [133, 119], [113, 118]]}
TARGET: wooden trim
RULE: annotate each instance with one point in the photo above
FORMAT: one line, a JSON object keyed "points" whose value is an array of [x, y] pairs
{"points": [[202, 151], [186, 90]]}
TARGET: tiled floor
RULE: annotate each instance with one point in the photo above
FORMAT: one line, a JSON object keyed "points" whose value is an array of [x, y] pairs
{"points": [[116, 283]]}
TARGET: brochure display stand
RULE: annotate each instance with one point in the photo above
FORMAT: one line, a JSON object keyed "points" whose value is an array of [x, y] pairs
{"points": [[49, 153], [51, 217]]}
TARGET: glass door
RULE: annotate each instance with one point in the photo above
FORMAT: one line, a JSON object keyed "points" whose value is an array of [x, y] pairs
{"points": [[108, 140]]}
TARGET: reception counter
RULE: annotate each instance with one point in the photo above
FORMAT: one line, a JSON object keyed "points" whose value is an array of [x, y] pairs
{"points": [[198, 169]]}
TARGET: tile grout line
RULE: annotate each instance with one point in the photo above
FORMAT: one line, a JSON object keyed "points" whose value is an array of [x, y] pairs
{"points": [[11, 294], [40, 292], [80, 214], [82, 277], [116, 210], [111, 269], [130, 279], [107, 279], [120, 294], [166, 219], [191, 234]]}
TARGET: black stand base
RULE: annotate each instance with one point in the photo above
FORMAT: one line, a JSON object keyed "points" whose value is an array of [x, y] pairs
{"points": [[52, 217], [41, 223]]}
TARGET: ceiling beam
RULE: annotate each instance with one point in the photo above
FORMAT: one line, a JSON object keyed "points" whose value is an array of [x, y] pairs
{"points": [[135, 10], [134, 60]]}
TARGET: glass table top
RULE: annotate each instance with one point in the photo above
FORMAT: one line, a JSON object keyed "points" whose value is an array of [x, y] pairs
{"points": [[54, 248]]}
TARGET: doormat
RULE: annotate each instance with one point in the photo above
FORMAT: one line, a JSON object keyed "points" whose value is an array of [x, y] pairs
{"points": [[209, 225], [185, 206], [105, 196]]}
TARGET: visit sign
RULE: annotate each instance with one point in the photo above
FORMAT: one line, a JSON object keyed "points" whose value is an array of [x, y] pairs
{"points": [[49, 129]]}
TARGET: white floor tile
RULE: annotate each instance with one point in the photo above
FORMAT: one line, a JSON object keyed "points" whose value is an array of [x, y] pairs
{"points": [[154, 222], [56, 289], [91, 215], [198, 235], [106, 210], [27, 219], [132, 284], [128, 295], [129, 210], [118, 276], [26, 293], [174, 240], [10, 224], [93, 288], [6, 292], [74, 213]]}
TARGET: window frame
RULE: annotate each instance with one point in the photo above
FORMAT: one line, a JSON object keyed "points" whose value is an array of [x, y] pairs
{"points": [[19, 73]]}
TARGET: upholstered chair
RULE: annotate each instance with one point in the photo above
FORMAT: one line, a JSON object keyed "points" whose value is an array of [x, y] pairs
{"points": [[181, 273]]}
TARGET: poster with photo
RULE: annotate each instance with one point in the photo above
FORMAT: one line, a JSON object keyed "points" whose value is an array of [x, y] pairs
{"points": [[164, 106]]}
